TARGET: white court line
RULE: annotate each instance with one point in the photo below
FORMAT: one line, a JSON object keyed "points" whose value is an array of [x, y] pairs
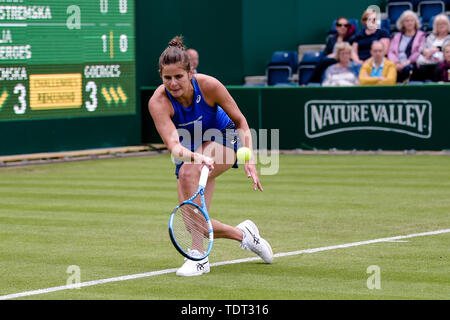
{"points": [[166, 271]]}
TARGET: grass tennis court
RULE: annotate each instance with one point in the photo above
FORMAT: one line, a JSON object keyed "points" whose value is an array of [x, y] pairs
{"points": [[109, 218]]}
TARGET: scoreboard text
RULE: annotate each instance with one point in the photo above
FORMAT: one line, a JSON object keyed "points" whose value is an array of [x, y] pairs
{"points": [[66, 58]]}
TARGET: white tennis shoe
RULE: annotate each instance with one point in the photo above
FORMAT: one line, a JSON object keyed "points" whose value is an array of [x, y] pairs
{"points": [[194, 268], [252, 241]]}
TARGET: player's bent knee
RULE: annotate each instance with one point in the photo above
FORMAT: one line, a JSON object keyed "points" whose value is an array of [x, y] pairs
{"points": [[189, 173]]}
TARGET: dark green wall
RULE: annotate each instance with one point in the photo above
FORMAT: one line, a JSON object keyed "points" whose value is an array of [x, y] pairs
{"points": [[214, 28], [35, 136]]}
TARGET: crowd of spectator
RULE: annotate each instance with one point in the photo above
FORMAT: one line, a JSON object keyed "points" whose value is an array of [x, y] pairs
{"points": [[377, 56]]}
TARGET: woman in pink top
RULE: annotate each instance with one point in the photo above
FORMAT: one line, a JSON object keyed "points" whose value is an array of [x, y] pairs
{"points": [[405, 46]]}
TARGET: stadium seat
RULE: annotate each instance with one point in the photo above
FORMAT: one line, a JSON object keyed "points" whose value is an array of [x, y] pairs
{"points": [[386, 24], [395, 9], [278, 75], [305, 73], [289, 84], [416, 82], [279, 69], [413, 2], [311, 57], [428, 9], [308, 65], [314, 84], [284, 58], [429, 26]]}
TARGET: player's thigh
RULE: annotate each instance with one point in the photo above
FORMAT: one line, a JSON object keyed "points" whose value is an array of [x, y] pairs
{"points": [[224, 158], [189, 173]]}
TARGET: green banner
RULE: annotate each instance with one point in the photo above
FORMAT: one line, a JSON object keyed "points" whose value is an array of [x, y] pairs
{"points": [[64, 31], [363, 118], [68, 91], [61, 58]]}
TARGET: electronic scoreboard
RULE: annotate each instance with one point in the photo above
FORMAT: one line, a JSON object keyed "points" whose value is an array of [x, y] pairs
{"points": [[66, 58]]}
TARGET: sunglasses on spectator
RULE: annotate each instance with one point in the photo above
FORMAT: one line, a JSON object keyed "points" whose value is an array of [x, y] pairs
{"points": [[342, 25]]}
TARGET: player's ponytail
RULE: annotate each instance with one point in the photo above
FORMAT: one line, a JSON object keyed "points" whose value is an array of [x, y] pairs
{"points": [[175, 53]]}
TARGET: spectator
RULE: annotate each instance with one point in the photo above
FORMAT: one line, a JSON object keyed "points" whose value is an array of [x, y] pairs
{"points": [[344, 72], [442, 72], [431, 53], [344, 30], [194, 58], [362, 40], [406, 44], [378, 70]]}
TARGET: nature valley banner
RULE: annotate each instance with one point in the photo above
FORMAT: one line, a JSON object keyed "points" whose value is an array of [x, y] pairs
{"points": [[410, 117]]}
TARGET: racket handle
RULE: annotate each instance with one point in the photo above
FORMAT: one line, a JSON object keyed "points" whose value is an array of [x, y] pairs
{"points": [[203, 176]]}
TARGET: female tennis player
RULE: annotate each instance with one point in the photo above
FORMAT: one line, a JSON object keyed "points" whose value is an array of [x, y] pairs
{"points": [[201, 124]]}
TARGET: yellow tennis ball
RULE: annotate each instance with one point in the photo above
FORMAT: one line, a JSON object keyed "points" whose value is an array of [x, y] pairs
{"points": [[243, 154]]}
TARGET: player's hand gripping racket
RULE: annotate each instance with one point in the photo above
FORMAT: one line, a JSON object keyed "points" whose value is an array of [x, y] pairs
{"points": [[190, 228]]}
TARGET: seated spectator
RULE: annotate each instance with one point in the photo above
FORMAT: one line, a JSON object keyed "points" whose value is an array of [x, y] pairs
{"points": [[344, 30], [362, 40], [344, 72], [194, 58], [431, 53], [378, 70], [406, 44], [442, 72]]}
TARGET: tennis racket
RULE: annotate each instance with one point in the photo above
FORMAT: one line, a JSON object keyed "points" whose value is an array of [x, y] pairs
{"points": [[190, 227]]}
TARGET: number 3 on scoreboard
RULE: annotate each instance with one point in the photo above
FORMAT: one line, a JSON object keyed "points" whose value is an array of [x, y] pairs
{"points": [[91, 87], [22, 106]]}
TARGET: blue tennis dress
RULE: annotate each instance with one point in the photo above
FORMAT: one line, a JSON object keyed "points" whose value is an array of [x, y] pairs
{"points": [[201, 122]]}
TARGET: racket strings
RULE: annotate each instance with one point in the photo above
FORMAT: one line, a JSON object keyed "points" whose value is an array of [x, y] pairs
{"points": [[190, 228]]}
